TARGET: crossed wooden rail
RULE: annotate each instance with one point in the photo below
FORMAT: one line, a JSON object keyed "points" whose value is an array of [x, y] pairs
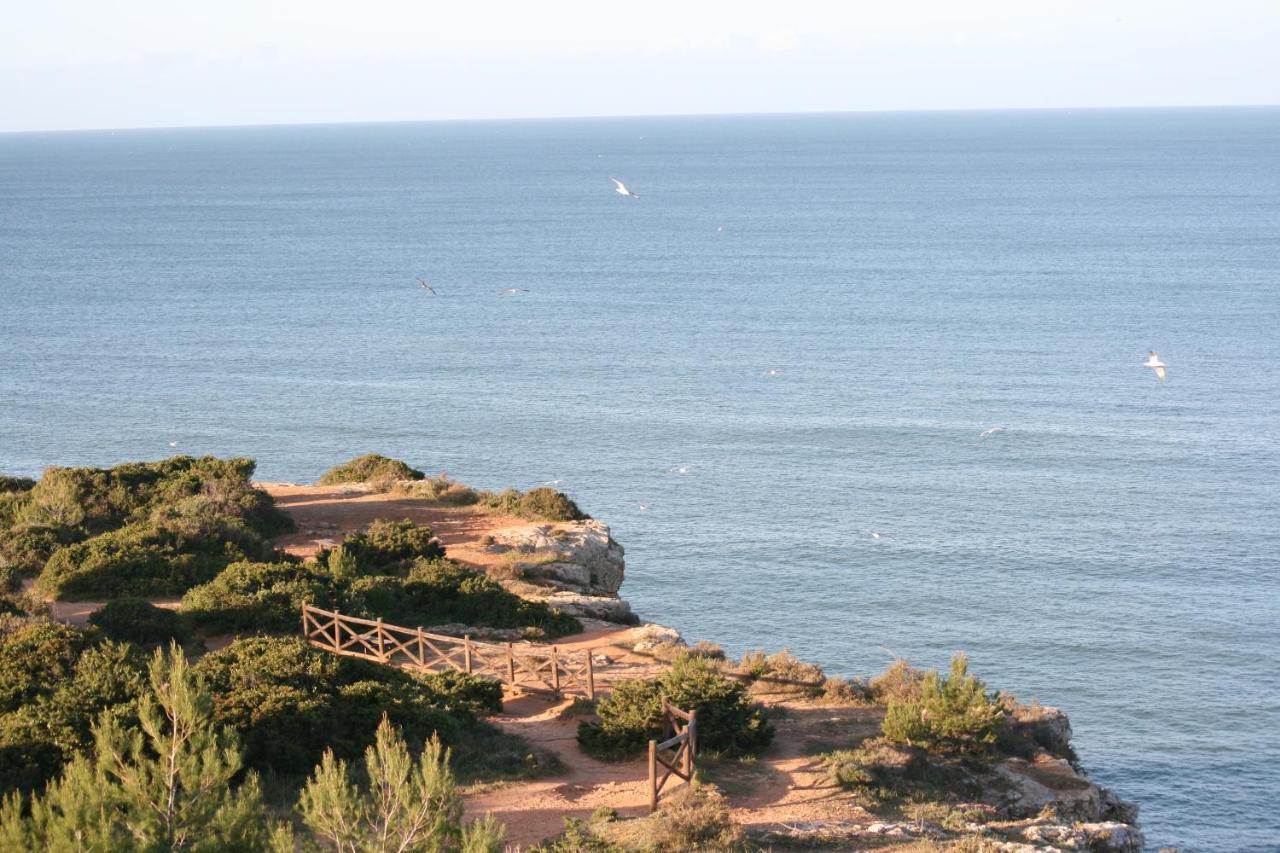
{"points": [[676, 755], [527, 667]]}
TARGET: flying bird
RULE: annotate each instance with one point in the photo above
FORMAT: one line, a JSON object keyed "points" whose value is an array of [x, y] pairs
{"points": [[553, 482], [513, 290], [428, 287], [1153, 361], [992, 431], [621, 189], [173, 444]]}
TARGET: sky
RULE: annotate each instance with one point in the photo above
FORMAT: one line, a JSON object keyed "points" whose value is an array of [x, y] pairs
{"points": [[67, 64]]}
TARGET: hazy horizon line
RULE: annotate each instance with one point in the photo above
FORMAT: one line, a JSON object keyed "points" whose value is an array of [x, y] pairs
{"points": [[620, 116]]}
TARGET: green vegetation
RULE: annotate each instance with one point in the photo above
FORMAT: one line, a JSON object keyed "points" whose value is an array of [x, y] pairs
{"points": [[290, 702], [259, 598], [175, 779], [55, 680], [540, 504], [951, 714], [383, 807], [144, 528], [16, 484], [268, 597], [389, 547], [376, 470], [728, 722], [137, 620]]}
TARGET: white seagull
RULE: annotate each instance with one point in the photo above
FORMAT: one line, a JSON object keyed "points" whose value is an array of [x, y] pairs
{"points": [[428, 287], [992, 431], [621, 189], [513, 291], [1153, 361]]}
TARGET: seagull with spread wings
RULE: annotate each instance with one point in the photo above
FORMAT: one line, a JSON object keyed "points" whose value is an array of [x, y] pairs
{"points": [[621, 189], [428, 287], [1153, 361]]}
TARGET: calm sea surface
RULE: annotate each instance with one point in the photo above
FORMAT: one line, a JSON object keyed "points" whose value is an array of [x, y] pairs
{"points": [[790, 342]]}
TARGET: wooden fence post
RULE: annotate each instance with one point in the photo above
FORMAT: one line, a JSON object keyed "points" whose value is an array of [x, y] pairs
{"points": [[693, 736], [466, 652], [422, 649], [382, 655], [337, 629], [653, 776], [511, 665], [555, 669], [591, 677]]}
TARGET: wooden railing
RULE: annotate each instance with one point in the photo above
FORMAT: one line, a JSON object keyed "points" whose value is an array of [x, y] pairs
{"points": [[533, 668], [676, 754]]}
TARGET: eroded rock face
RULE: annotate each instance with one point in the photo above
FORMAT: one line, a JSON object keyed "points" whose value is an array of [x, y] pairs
{"points": [[1027, 788], [579, 556], [574, 566]]}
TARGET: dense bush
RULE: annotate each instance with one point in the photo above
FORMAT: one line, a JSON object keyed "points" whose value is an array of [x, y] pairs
{"points": [[55, 681], [290, 702], [370, 468], [900, 682], [728, 722], [148, 560], [387, 547], [140, 528], [952, 714], [258, 597], [540, 504], [137, 620], [16, 484], [436, 592]]}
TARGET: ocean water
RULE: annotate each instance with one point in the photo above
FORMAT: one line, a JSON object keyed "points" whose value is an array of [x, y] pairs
{"points": [[789, 342]]}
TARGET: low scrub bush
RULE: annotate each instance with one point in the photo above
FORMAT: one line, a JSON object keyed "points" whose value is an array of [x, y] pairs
{"points": [[541, 504], [952, 714], [387, 547], [728, 722], [259, 597], [148, 560], [137, 620], [369, 468], [900, 682], [782, 673], [290, 702], [437, 592], [439, 489], [16, 484], [144, 529]]}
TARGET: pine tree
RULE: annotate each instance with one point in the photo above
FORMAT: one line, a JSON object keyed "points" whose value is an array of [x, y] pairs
{"points": [[167, 787], [401, 806]]}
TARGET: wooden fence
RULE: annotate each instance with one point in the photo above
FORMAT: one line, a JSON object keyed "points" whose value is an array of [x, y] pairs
{"points": [[534, 668], [676, 754]]}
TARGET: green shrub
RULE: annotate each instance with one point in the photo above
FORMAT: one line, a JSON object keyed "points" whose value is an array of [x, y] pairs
{"points": [[16, 484], [630, 716], [386, 547], [728, 722], [290, 702], [952, 714], [26, 548], [57, 681], [35, 658], [367, 469], [439, 591], [540, 504], [164, 521], [148, 560], [258, 597], [137, 620]]}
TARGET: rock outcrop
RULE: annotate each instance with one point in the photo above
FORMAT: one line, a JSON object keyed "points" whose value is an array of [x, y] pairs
{"points": [[574, 566]]}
